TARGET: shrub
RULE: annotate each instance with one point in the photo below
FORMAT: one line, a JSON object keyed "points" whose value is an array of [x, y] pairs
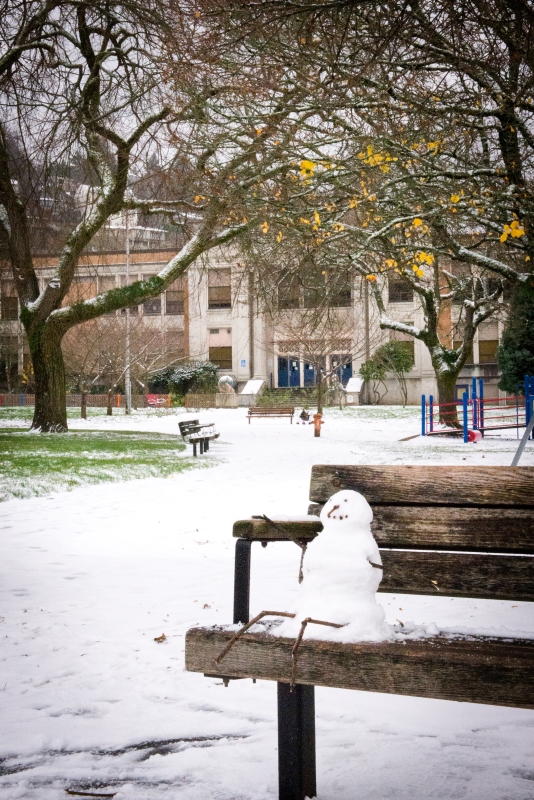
{"points": [[195, 377]]}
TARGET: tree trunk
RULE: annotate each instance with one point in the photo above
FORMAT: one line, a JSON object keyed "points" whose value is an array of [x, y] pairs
{"points": [[320, 392], [109, 409], [447, 394], [50, 414], [83, 413]]}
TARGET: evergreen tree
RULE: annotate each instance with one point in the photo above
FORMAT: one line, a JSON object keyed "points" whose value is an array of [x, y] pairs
{"points": [[515, 354]]}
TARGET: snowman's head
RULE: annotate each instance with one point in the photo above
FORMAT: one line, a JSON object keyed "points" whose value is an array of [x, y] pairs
{"points": [[346, 509]]}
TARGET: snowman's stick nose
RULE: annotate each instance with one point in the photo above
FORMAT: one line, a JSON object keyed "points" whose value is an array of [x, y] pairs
{"points": [[335, 508]]}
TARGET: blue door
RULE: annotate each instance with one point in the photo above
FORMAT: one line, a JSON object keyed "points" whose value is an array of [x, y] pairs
{"points": [[310, 378], [294, 371], [283, 372], [344, 367]]}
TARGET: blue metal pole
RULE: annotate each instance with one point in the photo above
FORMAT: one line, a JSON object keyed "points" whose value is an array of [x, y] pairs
{"points": [[527, 397], [21, 400], [475, 404], [464, 404], [431, 401], [481, 403], [423, 415]]}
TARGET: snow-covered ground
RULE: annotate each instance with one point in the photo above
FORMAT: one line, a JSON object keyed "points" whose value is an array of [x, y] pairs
{"points": [[91, 577]]}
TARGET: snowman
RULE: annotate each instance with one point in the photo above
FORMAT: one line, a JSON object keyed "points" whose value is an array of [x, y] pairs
{"points": [[342, 572]]}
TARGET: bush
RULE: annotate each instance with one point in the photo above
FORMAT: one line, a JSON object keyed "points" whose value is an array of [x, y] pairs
{"points": [[194, 377]]}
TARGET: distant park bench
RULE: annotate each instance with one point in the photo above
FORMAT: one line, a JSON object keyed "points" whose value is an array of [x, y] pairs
{"points": [[445, 531], [258, 411], [195, 434]]}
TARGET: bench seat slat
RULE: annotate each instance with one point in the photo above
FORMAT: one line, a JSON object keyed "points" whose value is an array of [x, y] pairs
{"points": [[497, 672], [447, 528], [427, 485]]}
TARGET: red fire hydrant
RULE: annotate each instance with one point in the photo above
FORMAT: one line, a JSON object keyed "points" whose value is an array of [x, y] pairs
{"points": [[317, 422]]}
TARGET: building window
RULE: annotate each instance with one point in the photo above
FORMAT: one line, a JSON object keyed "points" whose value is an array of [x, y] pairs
{"points": [[400, 291], [221, 356], [174, 301], [214, 330], [487, 350], [219, 288], [10, 304], [288, 293], [340, 292], [152, 307], [405, 339], [456, 346], [174, 298]]}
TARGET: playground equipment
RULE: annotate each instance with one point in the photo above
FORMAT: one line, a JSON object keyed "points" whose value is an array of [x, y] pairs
{"points": [[478, 413]]}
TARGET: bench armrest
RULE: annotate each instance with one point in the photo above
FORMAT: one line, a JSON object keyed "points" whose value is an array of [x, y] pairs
{"points": [[279, 531]]}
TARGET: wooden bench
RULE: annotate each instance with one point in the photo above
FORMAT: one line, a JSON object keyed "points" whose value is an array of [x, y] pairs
{"points": [[447, 531], [195, 434], [283, 411]]}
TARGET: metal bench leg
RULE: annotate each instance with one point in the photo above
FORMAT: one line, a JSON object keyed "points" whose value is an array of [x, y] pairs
{"points": [[206, 445], [201, 445], [242, 581], [194, 448], [296, 742]]}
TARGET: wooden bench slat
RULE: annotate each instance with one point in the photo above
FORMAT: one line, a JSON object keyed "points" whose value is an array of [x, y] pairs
{"points": [[491, 577], [491, 530], [427, 485], [496, 672]]}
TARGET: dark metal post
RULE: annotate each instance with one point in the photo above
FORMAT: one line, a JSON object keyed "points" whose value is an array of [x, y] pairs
{"points": [[194, 448], [296, 742], [242, 581]]}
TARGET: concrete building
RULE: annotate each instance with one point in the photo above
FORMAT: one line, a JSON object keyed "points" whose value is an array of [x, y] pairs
{"points": [[213, 313]]}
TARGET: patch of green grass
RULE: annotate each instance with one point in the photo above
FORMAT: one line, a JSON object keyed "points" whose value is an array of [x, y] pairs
{"points": [[37, 464]]}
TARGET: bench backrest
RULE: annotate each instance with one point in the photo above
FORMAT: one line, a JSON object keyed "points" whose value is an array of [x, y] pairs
{"points": [[271, 410], [455, 531]]}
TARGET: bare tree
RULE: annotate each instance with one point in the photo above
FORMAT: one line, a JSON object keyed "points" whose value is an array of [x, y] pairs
{"points": [[111, 88], [95, 355], [424, 169]]}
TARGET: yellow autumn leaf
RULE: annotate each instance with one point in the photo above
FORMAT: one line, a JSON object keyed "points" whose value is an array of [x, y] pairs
{"points": [[307, 167], [371, 278], [265, 227], [305, 221], [316, 217], [417, 222], [279, 237], [455, 198]]}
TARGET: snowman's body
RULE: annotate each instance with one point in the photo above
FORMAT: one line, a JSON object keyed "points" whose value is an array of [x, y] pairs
{"points": [[340, 581]]}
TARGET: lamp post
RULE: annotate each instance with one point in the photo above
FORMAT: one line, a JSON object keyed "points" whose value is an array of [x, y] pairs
{"points": [[127, 377]]}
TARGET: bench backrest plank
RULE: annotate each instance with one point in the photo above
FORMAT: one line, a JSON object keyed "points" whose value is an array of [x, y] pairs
{"points": [[427, 485], [484, 529]]}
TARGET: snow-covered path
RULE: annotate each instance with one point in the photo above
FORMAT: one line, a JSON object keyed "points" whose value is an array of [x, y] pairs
{"points": [[91, 577]]}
